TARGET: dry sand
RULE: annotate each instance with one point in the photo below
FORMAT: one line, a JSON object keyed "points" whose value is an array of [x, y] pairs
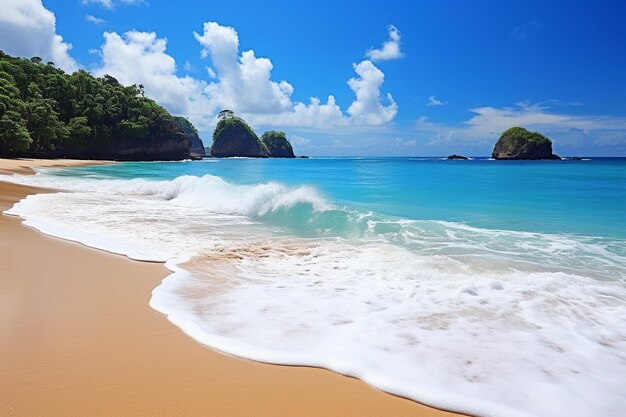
{"points": [[77, 338], [25, 166]]}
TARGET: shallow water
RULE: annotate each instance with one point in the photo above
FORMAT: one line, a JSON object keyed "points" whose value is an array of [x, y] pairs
{"points": [[489, 287]]}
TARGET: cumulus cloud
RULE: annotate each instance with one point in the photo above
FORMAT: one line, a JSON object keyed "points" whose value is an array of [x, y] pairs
{"points": [[404, 143], [300, 141], [240, 81], [313, 114], [487, 123], [28, 29], [93, 19], [612, 138], [493, 120], [389, 49], [110, 4], [434, 101], [367, 108], [244, 83], [141, 58]]}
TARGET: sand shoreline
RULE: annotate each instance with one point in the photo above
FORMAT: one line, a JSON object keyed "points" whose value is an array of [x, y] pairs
{"points": [[78, 338]]}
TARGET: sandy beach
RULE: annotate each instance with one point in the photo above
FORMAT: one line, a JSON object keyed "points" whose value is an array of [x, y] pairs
{"points": [[77, 338]]}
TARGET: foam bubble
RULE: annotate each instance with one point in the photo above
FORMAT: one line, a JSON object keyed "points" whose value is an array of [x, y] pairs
{"points": [[504, 343]]}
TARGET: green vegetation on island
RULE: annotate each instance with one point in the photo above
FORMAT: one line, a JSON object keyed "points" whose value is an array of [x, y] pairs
{"points": [[45, 112], [277, 144], [233, 137], [519, 143]]}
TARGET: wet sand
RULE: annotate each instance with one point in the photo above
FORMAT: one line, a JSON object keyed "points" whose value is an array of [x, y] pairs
{"points": [[77, 338]]}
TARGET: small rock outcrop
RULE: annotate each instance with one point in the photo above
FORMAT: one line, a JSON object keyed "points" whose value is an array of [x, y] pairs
{"points": [[465, 158], [197, 147], [233, 137], [519, 143], [277, 144]]}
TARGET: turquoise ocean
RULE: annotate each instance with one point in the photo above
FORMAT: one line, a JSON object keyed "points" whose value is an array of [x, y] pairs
{"points": [[495, 288]]}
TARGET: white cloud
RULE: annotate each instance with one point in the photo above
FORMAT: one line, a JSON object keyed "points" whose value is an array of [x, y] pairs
{"points": [[28, 29], [367, 108], [188, 67], [487, 123], [404, 143], [612, 138], [93, 19], [434, 101], [314, 114], [244, 84], [493, 120], [389, 49], [241, 82], [299, 140], [110, 4], [140, 58], [104, 3]]}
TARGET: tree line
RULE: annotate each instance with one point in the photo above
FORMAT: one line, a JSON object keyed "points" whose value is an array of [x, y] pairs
{"points": [[45, 112]]}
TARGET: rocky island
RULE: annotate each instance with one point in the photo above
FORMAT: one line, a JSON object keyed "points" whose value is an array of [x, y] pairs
{"points": [[46, 113], [519, 143], [233, 137], [277, 144]]}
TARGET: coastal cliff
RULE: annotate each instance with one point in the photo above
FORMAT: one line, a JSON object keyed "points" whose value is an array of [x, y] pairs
{"points": [[233, 137], [164, 141], [277, 144], [197, 147], [519, 143], [46, 113]]}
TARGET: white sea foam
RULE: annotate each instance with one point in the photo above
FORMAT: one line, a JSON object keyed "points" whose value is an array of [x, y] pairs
{"points": [[488, 322]]}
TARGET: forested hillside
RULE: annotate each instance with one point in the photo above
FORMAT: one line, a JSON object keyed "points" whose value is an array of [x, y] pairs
{"points": [[45, 112]]}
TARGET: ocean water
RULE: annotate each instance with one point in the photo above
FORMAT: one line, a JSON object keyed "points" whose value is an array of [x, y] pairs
{"points": [[487, 287]]}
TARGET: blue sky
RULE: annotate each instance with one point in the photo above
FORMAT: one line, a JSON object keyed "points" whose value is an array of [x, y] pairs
{"points": [[458, 72]]}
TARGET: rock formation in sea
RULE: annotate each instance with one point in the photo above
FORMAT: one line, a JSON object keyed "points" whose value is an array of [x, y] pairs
{"points": [[519, 143], [197, 147], [457, 157], [233, 137], [277, 144]]}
